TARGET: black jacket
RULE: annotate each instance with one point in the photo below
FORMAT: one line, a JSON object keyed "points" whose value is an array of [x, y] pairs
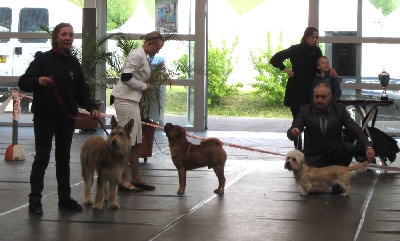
{"points": [[69, 80], [318, 143], [304, 65]]}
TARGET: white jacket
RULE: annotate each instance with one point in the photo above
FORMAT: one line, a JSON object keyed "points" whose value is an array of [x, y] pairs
{"points": [[136, 63]]}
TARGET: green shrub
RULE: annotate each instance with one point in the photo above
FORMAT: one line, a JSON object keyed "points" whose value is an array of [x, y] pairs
{"points": [[270, 82], [220, 67]]}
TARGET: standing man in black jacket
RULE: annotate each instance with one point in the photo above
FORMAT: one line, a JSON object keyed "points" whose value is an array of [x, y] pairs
{"points": [[56, 79], [303, 57], [324, 121]]}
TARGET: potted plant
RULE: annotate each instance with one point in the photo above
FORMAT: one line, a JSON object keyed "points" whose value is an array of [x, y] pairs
{"points": [[91, 54], [153, 100]]}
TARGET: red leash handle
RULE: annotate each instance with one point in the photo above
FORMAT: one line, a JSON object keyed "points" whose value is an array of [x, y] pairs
{"points": [[61, 103]]}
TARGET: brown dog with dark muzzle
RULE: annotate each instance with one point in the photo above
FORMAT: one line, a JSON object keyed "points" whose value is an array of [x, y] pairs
{"points": [[188, 156]]}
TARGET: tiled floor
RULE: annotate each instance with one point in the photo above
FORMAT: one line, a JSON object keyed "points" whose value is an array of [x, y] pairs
{"points": [[261, 201]]}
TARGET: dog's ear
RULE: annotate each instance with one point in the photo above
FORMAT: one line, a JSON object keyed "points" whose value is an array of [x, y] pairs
{"points": [[113, 122], [129, 126], [300, 158], [180, 131], [168, 127]]}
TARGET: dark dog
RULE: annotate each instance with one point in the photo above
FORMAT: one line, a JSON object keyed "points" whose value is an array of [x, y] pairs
{"points": [[188, 156], [108, 158]]}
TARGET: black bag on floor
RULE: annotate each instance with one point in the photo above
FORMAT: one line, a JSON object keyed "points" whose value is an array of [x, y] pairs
{"points": [[384, 145]]}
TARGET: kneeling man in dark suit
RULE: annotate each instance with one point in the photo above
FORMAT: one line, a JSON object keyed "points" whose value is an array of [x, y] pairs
{"points": [[323, 121]]}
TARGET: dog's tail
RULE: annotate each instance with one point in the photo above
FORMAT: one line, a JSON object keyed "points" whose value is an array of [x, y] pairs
{"points": [[360, 167], [211, 140]]}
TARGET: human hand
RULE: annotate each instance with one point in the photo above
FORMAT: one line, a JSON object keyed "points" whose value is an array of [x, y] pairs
{"points": [[148, 86], [95, 113], [296, 131], [333, 73], [45, 81], [289, 72], [370, 154]]}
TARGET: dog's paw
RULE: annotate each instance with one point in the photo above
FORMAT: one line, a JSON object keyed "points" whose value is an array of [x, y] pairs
{"points": [[88, 203], [97, 207], [180, 191], [303, 193], [114, 206], [219, 191]]}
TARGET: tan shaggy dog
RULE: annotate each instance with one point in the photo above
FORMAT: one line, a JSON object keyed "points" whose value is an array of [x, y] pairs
{"points": [[107, 158], [188, 156], [313, 179]]}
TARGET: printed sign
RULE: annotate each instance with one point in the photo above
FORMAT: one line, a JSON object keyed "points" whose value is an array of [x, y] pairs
{"points": [[165, 16]]}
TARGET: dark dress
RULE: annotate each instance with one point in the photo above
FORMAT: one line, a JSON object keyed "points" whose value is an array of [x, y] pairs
{"points": [[304, 65]]}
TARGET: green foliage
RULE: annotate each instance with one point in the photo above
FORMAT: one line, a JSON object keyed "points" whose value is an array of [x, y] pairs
{"points": [[386, 6], [238, 105], [271, 81], [150, 7], [124, 44], [119, 11], [183, 67], [244, 6], [220, 66], [235, 105], [176, 100], [159, 76], [91, 53], [80, 3]]}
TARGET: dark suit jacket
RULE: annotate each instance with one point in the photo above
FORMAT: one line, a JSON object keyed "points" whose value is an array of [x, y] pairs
{"points": [[303, 58], [319, 143]]}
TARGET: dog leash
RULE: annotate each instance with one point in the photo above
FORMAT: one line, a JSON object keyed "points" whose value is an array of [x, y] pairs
{"points": [[160, 148], [223, 143], [102, 126], [61, 103], [385, 168]]}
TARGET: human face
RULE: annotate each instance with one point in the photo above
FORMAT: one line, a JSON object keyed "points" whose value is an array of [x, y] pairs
{"points": [[322, 97], [154, 48], [65, 38], [323, 65], [313, 39]]}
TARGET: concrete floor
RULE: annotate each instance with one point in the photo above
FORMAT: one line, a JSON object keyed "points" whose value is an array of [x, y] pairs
{"points": [[261, 200]]}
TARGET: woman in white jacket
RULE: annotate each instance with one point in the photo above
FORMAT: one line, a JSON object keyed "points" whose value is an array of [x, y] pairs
{"points": [[127, 94]]}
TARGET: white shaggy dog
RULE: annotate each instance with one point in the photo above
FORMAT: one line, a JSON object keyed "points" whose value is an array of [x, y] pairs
{"points": [[313, 179]]}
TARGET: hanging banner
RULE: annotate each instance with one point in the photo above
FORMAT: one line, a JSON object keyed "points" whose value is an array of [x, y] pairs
{"points": [[165, 16]]}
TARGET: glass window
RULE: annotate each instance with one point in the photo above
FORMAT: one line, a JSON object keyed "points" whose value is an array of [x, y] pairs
{"points": [[31, 20], [5, 22], [376, 57], [380, 18], [179, 105], [342, 56], [339, 15]]}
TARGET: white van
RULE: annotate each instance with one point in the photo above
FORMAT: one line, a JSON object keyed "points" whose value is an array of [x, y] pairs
{"points": [[28, 16]]}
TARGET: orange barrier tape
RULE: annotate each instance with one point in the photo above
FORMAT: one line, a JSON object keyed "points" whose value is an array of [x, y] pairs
{"points": [[224, 143]]}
